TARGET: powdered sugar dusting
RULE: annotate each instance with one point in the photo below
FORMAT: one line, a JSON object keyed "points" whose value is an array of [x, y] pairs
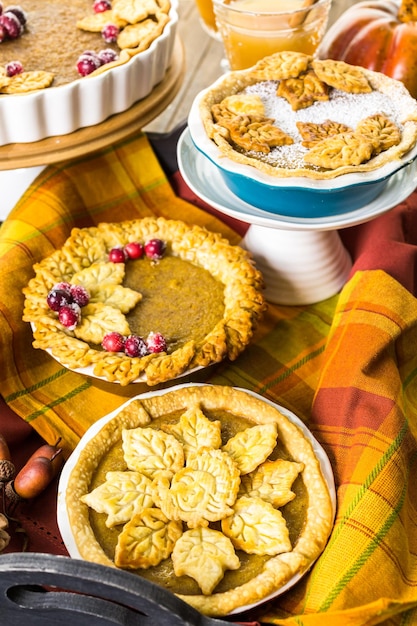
{"points": [[343, 108]]}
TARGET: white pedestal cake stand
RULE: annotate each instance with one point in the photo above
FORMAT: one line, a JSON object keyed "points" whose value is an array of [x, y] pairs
{"points": [[302, 259]]}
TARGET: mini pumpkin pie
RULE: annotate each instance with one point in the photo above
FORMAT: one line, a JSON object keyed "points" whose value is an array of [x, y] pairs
{"points": [[313, 118], [144, 300], [240, 512]]}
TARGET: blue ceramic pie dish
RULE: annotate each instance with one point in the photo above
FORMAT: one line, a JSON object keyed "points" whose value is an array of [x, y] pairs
{"points": [[298, 196]]}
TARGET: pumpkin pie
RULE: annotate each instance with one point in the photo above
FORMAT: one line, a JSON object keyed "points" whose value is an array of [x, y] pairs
{"points": [[242, 516], [298, 94], [55, 34], [189, 301]]}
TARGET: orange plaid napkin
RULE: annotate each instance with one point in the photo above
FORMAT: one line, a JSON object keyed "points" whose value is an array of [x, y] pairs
{"points": [[347, 366]]}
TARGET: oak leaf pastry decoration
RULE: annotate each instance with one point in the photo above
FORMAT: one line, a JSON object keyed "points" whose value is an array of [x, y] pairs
{"points": [[149, 451], [121, 496], [204, 554], [257, 527], [252, 446], [272, 481], [301, 92], [146, 540], [256, 134]]}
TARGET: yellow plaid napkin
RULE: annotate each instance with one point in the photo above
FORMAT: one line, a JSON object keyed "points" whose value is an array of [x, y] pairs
{"points": [[346, 366]]}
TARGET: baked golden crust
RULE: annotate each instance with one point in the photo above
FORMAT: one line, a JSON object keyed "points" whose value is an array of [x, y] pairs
{"points": [[324, 84], [84, 259], [242, 410], [140, 23]]}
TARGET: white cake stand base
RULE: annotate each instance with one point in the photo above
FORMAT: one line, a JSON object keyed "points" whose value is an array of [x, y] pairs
{"points": [[299, 267]]}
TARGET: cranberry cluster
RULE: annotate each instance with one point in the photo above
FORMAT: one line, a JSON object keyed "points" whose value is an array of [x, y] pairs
{"points": [[12, 22], [90, 61], [134, 345], [154, 249], [67, 300]]}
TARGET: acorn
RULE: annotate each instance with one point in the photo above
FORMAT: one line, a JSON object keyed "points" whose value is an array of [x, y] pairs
{"points": [[37, 473], [7, 468]]}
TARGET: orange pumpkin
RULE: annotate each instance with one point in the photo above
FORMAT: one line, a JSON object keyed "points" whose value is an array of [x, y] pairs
{"points": [[380, 35]]}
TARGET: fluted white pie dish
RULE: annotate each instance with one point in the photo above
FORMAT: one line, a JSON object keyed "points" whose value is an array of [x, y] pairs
{"points": [[90, 100]]}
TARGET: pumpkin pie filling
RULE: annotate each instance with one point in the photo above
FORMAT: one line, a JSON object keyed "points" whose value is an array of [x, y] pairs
{"points": [[51, 40], [198, 299]]}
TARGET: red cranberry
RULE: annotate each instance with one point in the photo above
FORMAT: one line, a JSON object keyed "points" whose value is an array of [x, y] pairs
{"points": [[69, 315], [57, 298], [87, 63], [64, 286], [19, 12], [13, 68], [80, 295], [135, 346], [110, 32], [156, 342], [107, 56], [10, 22], [134, 250], [113, 342], [117, 255], [155, 248], [99, 6]]}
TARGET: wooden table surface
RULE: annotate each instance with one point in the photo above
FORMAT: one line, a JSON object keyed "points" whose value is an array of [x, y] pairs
{"points": [[203, 56]]}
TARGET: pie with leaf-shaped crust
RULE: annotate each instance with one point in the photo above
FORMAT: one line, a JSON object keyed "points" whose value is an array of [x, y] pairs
{"points": [[294, 89], [244, 510], [203, 296]]}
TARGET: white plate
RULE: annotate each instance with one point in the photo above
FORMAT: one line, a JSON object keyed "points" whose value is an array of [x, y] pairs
{"points": [[205, 180], [62, 513]]}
